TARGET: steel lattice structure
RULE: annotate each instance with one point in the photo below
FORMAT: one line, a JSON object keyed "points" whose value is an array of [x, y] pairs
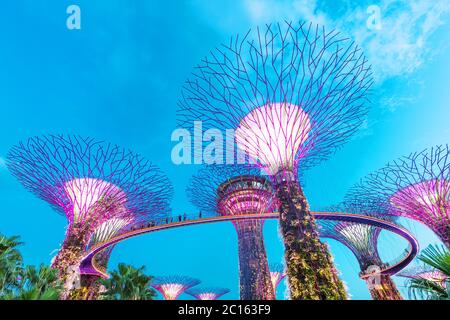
{"points": [[207, 293], [277, 274], [90, 182], [172, 286], [362, 240], [106, 231], [416, 186], [238, 190], [294, 93], [313, 81], [424, 272]]}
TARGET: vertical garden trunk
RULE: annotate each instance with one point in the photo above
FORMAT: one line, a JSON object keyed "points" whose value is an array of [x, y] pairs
{"points": [[310, 270], [90, 286], [89, 289], [385, 289], [254, 274], [69, 256], [381, 287]]}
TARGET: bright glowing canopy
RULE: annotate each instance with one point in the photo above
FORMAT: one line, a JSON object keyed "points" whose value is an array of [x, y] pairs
{"points": [[172, 286], [274, 134], [431, 197], [90, 181], [207, 293], [90, 196], [416, 186], [294, 92]]}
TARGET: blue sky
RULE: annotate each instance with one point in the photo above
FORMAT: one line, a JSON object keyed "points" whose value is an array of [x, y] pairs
{"points": [[118, 79]]}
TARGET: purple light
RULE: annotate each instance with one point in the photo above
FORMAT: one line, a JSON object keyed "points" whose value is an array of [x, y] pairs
{"points": [[207, 293], [274, 134], [277, 274], [238, 190], [90, 182], [172, 286], [415, 187]]}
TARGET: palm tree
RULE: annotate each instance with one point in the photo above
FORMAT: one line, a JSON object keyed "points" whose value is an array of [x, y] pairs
{"points": [[39, 284], [128, 283], [11, 264], [437, 257], [24, 283]]}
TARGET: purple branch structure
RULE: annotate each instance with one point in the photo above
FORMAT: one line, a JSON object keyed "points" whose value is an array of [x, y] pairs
{"points": [[172, 286], [362, 240], [207, 293], [416, 187], [238, 190], [424, 272], [91, 183], [294, 94], [277, 274]]}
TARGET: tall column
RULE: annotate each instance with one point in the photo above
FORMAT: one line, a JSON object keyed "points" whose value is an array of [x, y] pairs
{"points": [[381, 287], [385, 290], [254, 273], [310, 270]]}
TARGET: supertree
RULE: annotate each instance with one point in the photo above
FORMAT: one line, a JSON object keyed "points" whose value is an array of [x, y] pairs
{"points": [[277, 274], [416, 186], [90, 182], [231, 190], [424, 272], [294, 93], [362, 240], [172, 286], [207, 293], [426, 276]]}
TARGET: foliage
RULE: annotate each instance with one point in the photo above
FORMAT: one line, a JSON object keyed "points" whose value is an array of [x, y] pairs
{"points": [[128, 283], [438, 257], [19, 282], [11, 264]]}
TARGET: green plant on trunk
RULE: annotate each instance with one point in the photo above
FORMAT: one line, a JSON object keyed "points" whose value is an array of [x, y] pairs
{"points": [[310, 270]]}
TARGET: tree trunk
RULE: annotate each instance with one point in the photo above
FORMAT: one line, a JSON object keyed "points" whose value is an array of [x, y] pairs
{"points": [[381, 287], [69, 256], [385, 289], [89, 289], [310, 270], [254, 274]]}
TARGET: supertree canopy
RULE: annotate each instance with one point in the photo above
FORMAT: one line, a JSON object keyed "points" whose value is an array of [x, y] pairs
{"points": [[362, 240], [416, 187], [207, 293], [294, 93], [172, 286], [424, 272], [277, 274], [90, 182], [238, 190]]}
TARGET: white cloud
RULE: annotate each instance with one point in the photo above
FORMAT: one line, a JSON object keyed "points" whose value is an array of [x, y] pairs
{"points": [[400, 47]]}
